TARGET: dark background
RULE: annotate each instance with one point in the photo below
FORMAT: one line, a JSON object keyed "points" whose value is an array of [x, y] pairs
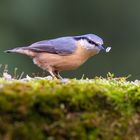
{"points": [[23, 22]]}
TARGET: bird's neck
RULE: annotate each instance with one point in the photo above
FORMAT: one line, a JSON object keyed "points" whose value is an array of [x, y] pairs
{"points": [[84, 53]]}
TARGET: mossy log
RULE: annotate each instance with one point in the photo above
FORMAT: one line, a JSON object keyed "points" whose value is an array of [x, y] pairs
{"points": [[98, 109]]}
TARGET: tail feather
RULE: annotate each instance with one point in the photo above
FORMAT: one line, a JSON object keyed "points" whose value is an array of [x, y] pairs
{"points": [[21, 50]]}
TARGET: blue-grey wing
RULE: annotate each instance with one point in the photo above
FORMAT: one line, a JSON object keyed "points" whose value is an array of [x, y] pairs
{"points": [[63, 45]]}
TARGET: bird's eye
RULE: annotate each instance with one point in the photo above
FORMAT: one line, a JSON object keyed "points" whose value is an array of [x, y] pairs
{"points": [[88, 40], [92, 42]]}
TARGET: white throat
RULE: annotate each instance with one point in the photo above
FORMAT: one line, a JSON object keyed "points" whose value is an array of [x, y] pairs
{"points": [[85, 44]]}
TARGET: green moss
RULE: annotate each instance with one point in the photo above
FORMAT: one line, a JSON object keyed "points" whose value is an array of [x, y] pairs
{"points": [[104, 109]]}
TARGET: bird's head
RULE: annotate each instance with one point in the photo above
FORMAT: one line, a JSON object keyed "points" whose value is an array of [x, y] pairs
{"points": [[90, 42]]}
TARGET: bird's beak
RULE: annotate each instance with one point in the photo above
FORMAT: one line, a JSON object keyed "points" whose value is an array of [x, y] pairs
{"points": [[101, 48]]}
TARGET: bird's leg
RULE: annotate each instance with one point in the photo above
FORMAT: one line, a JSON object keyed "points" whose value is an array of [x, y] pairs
{"points": [[52, 74], [58, 75]]}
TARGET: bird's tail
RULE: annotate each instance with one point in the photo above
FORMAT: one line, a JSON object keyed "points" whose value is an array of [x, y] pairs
{"points": [[21, 50]]}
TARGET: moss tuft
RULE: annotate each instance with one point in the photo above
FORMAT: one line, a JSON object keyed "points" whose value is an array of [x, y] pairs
{"points": [[101, 108]]}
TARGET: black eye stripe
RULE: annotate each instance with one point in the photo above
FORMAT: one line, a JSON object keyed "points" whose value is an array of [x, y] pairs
{"points": [[89, 41]]}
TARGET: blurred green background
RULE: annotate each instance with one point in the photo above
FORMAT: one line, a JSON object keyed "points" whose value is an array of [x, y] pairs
{"points": [[23, 22]]}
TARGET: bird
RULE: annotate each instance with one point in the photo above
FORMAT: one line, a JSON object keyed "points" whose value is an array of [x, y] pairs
{"points": [[63, 53]]}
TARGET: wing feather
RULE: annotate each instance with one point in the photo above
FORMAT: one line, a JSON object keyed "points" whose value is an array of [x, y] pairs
{"points": [[63, 45]]}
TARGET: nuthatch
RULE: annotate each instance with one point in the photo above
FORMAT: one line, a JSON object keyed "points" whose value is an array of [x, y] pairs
{"points": [[64, 53]]}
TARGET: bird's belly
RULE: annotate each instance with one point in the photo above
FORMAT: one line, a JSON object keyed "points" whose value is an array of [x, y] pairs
{"points": [[67, 64], [58, 62], [61, 63]]}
